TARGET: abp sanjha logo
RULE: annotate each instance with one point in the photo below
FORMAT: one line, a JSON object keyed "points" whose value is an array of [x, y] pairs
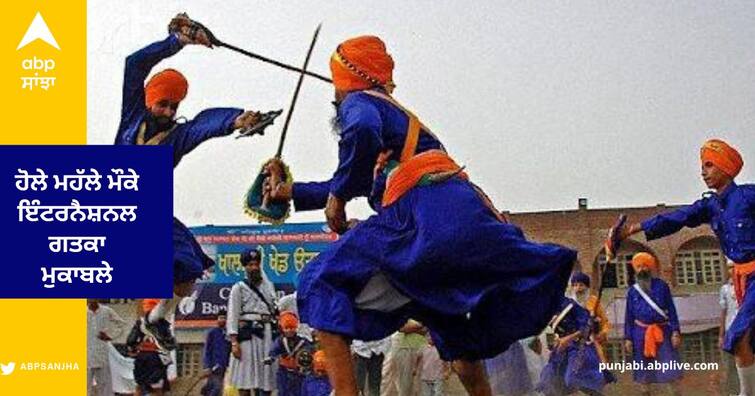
{"points": [[7, 369], [38, 30]]}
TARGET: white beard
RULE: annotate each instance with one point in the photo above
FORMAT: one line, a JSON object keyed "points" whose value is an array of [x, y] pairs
{"points": [[582, 297]]}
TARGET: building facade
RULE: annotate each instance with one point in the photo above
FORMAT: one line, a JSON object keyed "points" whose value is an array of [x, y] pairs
{"points": [[691, 261]]}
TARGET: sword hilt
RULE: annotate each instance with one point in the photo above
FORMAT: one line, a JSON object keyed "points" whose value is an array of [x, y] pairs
{"points": [[613, 240], [266, 119], [210, 36]]}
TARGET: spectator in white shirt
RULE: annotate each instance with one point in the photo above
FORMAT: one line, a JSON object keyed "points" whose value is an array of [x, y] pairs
{"points": [[103, 325], [433, 371]]}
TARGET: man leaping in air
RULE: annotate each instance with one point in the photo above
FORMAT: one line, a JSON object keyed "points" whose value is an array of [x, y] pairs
{"points": [[148, 117]]}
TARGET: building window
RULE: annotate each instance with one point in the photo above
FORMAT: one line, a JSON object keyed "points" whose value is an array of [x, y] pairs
{"points": [[699, 267], [614, 351], [189, 359], [701, 347], [620, 273]]}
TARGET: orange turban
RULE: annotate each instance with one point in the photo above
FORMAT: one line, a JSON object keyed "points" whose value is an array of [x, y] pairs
{"points": [[644, 259], [288, 321], [149, 303], [723, 156], [319, 362], [362, 63], [168, 84]]}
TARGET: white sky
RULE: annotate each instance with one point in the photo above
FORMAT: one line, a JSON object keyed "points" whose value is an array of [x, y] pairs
{"points": [[544, 102]]}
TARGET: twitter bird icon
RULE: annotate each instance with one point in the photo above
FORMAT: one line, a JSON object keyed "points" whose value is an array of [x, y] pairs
{"points": [[7, 369]]}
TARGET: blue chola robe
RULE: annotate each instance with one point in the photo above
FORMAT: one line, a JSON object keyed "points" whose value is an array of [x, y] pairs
{"points": [[731, 215], [638, 309], [473, 280], [188, 259], [577, 366]]}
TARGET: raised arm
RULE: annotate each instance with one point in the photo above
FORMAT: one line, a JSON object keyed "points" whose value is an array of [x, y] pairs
{"points": [[138, 66], [668, 223], [140, 63], [310, 195]]}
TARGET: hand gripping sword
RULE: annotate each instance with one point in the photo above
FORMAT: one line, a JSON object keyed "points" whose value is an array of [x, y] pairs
{"points": [[256, 203], [611, 248]]}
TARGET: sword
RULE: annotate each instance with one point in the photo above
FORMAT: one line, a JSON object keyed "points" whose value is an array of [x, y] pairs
{"points": [[266, 119], [257, 202], [296, 92], [611, 247], [217, 42]]}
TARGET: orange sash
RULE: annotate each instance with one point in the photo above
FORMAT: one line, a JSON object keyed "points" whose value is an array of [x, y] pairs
{"points": [[288, 362], [409, 173], [653, 338], [741, 272], [411, 167]]}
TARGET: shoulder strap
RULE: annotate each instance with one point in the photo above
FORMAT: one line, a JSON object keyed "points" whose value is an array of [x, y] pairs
{"points": [[650, 301], [270, 307], [259, 294], [154, 140], [412, 130], [290, 351], [298, 345]]}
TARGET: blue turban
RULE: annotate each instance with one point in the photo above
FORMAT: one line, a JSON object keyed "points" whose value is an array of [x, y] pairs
{"points": [[250, 255], [580, 277]]}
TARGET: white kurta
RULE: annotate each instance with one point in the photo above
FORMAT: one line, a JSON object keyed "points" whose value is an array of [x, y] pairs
{"points": [[250, 372], [105, 320]]}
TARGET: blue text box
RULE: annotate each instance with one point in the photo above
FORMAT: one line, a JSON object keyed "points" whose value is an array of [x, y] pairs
{"points": [[138, 236]]}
